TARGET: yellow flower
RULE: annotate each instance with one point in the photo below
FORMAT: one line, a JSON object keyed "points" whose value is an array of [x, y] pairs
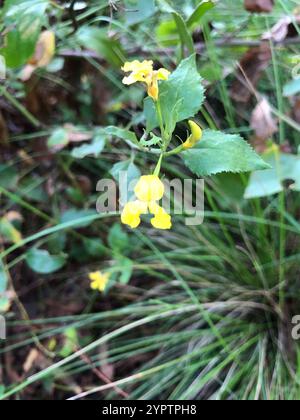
{"points": [[132, 212], [195, 137], [149, 188], [99, 280], [143, 72]]}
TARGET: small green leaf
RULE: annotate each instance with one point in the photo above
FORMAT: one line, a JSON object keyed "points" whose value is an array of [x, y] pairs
{"points": [[218, 152], [58, 139], [199, 12], [118, 239], [40, 261], [126, 269], [126, 183], [139, 10], [123, 134], [93, 149], [185, 37]]}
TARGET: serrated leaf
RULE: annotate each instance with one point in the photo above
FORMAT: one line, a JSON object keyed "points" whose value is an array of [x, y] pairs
{"points": [[40, 261], [153, 141], [181, 96], [218, 152]]}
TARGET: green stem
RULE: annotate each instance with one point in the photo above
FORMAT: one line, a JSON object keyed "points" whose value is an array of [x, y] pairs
{"points": [[158, 166], [161, 122]]}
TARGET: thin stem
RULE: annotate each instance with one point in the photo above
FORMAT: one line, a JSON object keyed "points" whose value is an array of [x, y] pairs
{"points": [[19, 107]]}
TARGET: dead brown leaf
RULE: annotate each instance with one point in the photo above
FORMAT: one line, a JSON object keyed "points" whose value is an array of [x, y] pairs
{"points": [[283, 29], [262, 121], [77, 136], [259, 6], [251, 67], [43, 54]]}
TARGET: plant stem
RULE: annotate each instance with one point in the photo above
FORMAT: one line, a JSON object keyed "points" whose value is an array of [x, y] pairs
{"points": [[19, 107]]}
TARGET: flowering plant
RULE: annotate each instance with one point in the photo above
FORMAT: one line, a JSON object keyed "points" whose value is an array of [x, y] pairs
{"points": [[173, 98]]}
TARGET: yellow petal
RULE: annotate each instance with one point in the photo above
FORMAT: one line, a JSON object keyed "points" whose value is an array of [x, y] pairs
{"points": [[132, 212], [153, 90], [195, 137], [137, 66], [161, 220], [149, 188], [99, 280], [163, 74]]}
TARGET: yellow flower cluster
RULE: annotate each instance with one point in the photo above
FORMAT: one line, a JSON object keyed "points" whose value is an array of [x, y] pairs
{"points": [[99, 280], [143, 72], [149, 190]]}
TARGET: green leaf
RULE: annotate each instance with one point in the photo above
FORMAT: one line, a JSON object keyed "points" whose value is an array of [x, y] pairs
{"points": [[31, 188], [292, 88], [118, 239], [265, 183], [218, 152], [181, 96], [185, 37], [9, 232], [150, 114], [139, 10], [23, 20], [40, 261], [126, 186], [8, 177], [58, 139], [97, 39], [123, 134], [199, 12], [126, 269], [93, 149]]}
